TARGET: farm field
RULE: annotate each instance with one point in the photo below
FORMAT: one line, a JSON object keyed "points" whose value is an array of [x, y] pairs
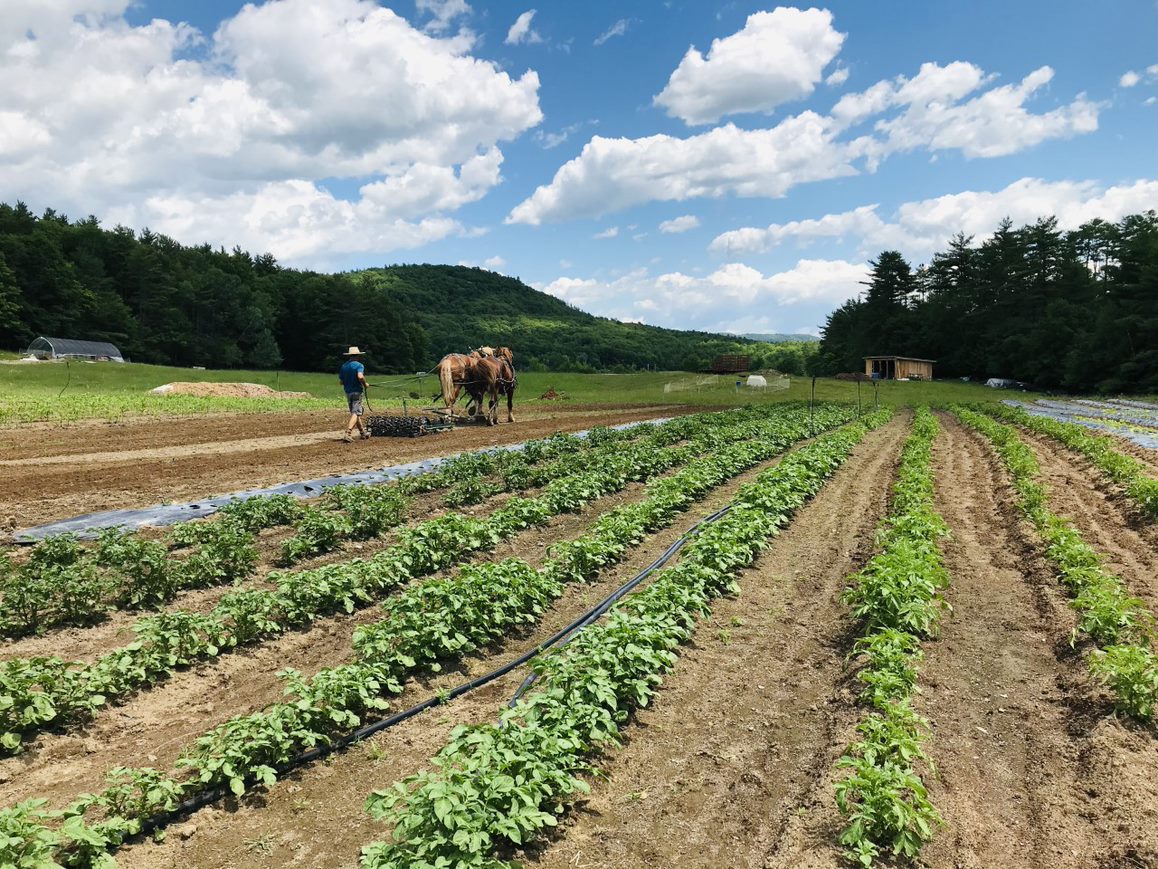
{"points": [[940, 616]]}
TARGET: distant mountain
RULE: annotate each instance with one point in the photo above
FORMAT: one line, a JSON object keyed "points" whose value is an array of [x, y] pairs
{"points": [[460, 307], [779, 337]]}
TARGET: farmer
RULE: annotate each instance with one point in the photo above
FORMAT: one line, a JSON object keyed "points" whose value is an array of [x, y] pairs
{"points": [[353, 378]]}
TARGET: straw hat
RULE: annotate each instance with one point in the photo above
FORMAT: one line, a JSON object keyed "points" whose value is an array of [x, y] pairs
{"points": [[353, 351]]}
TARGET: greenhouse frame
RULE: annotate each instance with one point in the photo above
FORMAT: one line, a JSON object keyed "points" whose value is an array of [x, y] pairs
{"points": [[70, 348]]}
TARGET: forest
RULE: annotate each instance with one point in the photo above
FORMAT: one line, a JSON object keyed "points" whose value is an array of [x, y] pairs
{"points": [[167, 303], [1070, 310]]}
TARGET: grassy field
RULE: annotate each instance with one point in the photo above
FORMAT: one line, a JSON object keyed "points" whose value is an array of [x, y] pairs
{"points": [[54, 391]]}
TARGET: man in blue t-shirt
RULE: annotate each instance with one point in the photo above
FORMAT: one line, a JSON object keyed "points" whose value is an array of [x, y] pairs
{"points": [[353, 378]]}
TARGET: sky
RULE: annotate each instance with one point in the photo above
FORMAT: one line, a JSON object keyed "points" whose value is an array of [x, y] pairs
{"points": [[721, 166]]}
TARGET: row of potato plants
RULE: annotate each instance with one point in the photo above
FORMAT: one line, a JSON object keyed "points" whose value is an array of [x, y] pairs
{"points": [[469, 478], [896, 597], [1119, 467], [425, 626], [63, 582], [1118, 623], [495, 787], [37, 693]]}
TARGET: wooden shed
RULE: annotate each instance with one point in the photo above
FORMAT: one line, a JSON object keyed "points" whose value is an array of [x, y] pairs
{"points": [[898, 368]]}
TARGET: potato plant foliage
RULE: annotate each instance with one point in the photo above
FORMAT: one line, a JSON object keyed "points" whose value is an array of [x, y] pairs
{"points": [[494, 786], [896, 597], [425, 626]]}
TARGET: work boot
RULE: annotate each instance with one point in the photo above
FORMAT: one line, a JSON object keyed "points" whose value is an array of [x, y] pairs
{"points": [[365, 435], [348, 437]]}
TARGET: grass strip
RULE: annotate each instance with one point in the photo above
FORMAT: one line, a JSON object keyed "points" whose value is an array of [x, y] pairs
{"points": [[896, 597], [1119, 624], [494, 787]]}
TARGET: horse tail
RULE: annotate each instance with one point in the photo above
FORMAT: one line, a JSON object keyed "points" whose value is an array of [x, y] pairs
{"points": [[446, 380]]}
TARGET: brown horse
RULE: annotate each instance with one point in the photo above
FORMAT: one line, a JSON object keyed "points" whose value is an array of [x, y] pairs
{"points": [[481, 375]]}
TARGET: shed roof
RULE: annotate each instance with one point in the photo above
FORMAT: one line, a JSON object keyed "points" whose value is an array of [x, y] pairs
{"points": [[74, 347], [905, 358]]}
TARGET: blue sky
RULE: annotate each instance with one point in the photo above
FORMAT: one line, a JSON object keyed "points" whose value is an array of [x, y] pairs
{"points": [[727, 166]]}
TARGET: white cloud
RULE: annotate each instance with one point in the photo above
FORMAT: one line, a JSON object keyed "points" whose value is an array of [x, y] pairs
{"points": [[443, 12], [521, 31], [494, 262], [617, 29], [933, 115], [922, 227], [932, 111], [196, 136], [716, 301], [838, 77], [680, 224], [1129, 79], [1149, 101], [611, 174], [776, 57], [610, 232]]}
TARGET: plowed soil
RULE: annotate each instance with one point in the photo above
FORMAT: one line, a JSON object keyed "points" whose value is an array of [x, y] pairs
{"points": [[315, 816], [59, 472], [1104, 516], [1033, 770]]}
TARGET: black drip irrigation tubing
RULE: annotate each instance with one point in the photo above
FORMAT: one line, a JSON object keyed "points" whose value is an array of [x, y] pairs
{"points": [[560, 639]]}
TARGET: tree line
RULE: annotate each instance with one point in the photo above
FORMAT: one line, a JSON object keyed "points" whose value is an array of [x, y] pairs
{"points": [[1075, 311], [167, 303]]}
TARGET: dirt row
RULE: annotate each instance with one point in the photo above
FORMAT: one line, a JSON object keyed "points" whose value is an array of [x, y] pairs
{"points": [[254, 451], [1106, 518]]}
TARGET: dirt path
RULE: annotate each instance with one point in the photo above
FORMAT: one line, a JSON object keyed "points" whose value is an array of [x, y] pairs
{"points": [[298, 819], [1022, 745], [169, 469], [152, 727], [732, 748], [1102, 514]]}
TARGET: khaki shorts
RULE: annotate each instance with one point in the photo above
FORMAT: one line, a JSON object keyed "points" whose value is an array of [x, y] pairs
{"points": [[354, 400]]}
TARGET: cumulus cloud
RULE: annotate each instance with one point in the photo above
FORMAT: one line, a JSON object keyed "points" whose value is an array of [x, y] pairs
{"points": [[922, 227], [1129, 79], [612, 174], [680, 224], [955, 107], [715, 301], [992, 124], [197, 136], [610, 232], [521, 31], [776, 57]]}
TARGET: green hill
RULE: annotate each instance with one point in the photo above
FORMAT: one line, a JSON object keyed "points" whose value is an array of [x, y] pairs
{"points": [[165, 303], [459, 308]]}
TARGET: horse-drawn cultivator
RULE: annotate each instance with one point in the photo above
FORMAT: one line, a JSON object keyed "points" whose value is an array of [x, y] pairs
{"points": [[428, 421]]}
